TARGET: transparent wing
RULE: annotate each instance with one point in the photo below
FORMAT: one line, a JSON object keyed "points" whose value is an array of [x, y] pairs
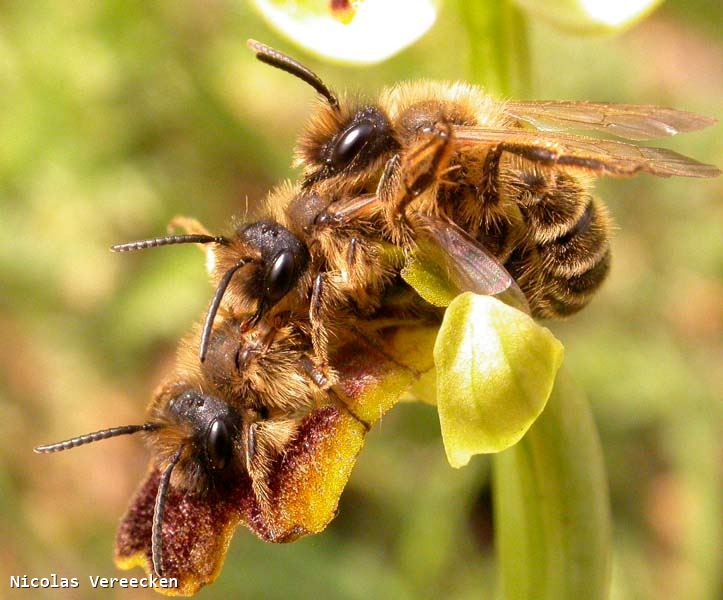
{"points": [[470, 267], [607, 157], [629, 121]]}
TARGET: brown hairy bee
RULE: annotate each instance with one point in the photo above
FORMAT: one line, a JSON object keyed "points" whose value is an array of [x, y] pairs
{"points": [[192, 434], [246, 376], [488, 179], [231, 417], [268, 258], [303, 263]]}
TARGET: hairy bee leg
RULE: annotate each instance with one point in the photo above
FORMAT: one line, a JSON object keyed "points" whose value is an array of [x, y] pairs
{"points": [[437, 148], [315, 374], [352, 252], [552, 158], [249, 446], [493, 220], [489, 192], [405, 178], [256, 466], [264, 335], [392, 192], [319, 333], [356, 271]]}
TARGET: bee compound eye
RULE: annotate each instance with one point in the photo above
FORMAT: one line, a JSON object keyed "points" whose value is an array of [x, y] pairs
{"points": [[351, 143], [218, 445], [281, 276]]}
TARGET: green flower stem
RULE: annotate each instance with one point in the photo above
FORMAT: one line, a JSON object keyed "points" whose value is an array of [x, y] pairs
{"points": [[552, 515], [498, 47]]}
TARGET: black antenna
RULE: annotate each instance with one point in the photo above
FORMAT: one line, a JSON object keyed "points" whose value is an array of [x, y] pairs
{"points": [[158, 511], [277, 59], [213, 309], [168, 240], [94, 437]]}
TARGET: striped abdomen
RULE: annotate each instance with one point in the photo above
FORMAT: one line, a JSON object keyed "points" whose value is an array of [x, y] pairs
{"points": [[565, 255]]}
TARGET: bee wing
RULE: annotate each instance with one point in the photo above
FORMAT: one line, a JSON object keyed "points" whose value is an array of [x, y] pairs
{"points": [[606, 157], [629, 121], [470, 267]]}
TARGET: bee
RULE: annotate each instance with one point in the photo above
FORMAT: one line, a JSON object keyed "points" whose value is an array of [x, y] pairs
{"points": [[246, 377], [304, 262], [499, 187], [225, 423], [192, 435], [269, 259]]}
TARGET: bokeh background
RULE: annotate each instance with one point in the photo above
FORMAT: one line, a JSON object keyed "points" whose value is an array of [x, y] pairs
{"points": [[117, 115]]}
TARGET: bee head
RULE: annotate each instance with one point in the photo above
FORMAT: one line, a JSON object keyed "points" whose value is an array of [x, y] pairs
{"points": [[350, 144], [278, 258], [194, 434], [209, 429], [342, 139], [283, 256]]}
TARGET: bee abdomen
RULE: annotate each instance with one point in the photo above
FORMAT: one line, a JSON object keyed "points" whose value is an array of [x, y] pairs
{"points": [[567, 270], [579, 248], [550, 205], [563, 297]]}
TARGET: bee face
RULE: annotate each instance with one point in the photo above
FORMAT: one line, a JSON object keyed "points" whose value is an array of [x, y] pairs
{"points": [[268, 258], [283, 259], [215, 428], [345, 144]]}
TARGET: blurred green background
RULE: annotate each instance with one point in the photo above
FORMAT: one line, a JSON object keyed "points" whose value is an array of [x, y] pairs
{"points": [[117, 115]]}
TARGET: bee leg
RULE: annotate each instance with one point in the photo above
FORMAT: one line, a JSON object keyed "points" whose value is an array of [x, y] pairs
{"points": [[320, 377], [352, 253], [319, 334], [405, 178], [488, 191], [262, 441], [392, 193], [355, 271], [257, 343]]}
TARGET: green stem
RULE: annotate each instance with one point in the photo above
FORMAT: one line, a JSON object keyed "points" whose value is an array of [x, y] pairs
{"points": [[552, 517], [499, 53]]}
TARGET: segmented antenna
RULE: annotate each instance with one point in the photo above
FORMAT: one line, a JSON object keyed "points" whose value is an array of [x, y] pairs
{"points": [[169, 240], [213, 309], [158, 511], [277, 59], [94, 437]]}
